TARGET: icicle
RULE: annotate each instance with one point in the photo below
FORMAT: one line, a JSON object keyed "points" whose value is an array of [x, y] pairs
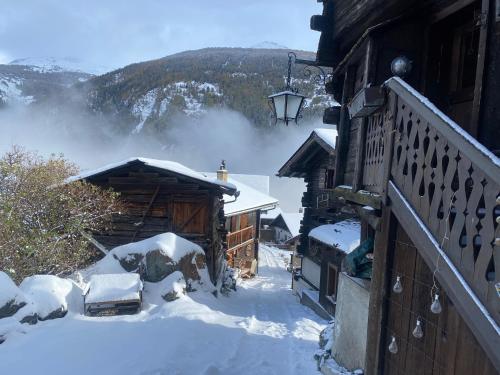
{"points": [[397, 288], [418, 332], [436, 305], [393, 346]]}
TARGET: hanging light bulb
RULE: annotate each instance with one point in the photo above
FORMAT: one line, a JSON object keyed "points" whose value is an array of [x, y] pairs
{"points": [[398, 287], [393, 346], [418, 332], [436, 305]]}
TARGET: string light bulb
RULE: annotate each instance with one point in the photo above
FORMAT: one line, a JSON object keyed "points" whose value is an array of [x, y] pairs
{"points": [[398, 287], [436, 305], [393, 346], [418, 332]]}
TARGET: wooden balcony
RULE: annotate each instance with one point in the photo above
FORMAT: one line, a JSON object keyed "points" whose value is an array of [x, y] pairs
{"points": [[239, 238], [444, 187]]}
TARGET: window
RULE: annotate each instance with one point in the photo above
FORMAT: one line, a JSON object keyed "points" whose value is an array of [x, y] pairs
{"points": [[331, 289], [329, 174]]}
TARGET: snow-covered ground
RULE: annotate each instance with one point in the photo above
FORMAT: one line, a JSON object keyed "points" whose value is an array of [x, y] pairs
{"points": [[260, 329]]}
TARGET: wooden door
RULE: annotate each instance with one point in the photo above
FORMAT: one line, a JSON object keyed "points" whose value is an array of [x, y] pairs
{"points": [[447, 347], [190, 216]]}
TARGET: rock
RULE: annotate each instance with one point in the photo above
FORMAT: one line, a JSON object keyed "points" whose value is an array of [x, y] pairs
{"points": [[173, 286], [158, 266], [10, 308]]}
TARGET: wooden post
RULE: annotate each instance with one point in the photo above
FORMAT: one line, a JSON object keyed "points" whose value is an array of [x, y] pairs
{"points": [[377, 306]]}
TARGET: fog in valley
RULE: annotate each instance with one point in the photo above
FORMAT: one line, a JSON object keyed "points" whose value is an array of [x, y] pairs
{"points": [[200, 143]]}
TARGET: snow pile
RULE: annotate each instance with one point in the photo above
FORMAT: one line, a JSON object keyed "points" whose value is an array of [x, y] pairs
{"points": [[169, 289], [157, 257], [344, 235], [51, 295], [11, 297], [114, 288], [10, 327]]}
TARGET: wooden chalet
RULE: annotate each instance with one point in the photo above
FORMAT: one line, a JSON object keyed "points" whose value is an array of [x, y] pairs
{"points": [[314, 161], [421, 150], [242, 214], [164, 196]]}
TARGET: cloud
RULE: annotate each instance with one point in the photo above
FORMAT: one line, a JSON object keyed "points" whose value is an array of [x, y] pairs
{"points": [[116, 33]]}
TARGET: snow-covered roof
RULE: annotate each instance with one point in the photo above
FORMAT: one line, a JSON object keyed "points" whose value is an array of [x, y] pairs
{"points": [[166, 165], [327, 135], [344, 235], [292, 221], [114, 288], [320, 141], [271, 214], [250, 199]]}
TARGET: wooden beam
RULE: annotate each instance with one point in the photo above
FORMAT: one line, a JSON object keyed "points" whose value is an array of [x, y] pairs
{"points": [[378, 289], [362, 197], [474, 313]]}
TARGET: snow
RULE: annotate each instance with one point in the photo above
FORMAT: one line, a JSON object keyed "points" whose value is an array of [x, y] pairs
{"points": [[327, 135], [50, 293], [292, 221], [9, 291], [174, 282], [167, 165], [11, 92], [268, 45], [258, 182], [114, 288], [169, 244], [426, 102], [250, 199], [259, 329], [344, 235], [143, 108], [67, 64], [271, 214]]}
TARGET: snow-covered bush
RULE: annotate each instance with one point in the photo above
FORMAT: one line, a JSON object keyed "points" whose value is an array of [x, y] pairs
{"points": [[42, 218]]}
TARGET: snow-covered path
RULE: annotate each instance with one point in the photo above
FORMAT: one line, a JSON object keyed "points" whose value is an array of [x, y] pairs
{"points": [[260, 329]]}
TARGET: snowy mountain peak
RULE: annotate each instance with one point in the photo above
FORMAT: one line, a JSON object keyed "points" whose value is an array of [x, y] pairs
{"points": [[268, 45], [66, 64]]}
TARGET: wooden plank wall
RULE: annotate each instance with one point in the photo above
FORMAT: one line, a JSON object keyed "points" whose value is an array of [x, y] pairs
{"points": [[448, 345]]}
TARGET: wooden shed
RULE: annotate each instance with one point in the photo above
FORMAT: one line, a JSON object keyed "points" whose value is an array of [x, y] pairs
{"points": [[164, 196]]}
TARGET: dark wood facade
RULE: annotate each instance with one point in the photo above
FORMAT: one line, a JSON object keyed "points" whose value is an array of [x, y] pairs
{"points": [[243, 232], [158, 201], [420, 156], [314, 161]]}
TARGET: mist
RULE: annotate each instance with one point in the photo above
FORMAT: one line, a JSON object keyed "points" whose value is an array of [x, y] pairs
{"points": [[200, 143]]}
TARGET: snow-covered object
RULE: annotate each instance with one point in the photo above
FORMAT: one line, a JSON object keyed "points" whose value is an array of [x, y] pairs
{"points": [[329, 136], [344, 235], [10, 327], [292, 221], [167, 165], [11, 297], [173, 286], [159, 256], [52, 296], [114, 288], [250, 199]]}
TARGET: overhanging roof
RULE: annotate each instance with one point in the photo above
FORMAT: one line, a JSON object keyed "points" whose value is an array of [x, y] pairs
{"points": [[171, 167], [320, 141]]}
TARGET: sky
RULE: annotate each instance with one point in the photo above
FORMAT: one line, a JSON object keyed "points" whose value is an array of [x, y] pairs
{"points": [[114, 33]]}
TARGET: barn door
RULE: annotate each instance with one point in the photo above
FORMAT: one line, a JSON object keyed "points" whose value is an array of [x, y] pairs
{"points": [[190, 216], [447, 346]]}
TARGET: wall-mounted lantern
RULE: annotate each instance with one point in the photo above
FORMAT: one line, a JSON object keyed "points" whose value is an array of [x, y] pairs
{"points": [[287, 104]]}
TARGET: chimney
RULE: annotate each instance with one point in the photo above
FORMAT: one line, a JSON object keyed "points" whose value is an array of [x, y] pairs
{"points": [[222, 172]]}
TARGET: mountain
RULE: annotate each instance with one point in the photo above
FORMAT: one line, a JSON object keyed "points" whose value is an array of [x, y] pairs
{"points": [[66, 64], [24, 84], [152, 93], [268, 45]]}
